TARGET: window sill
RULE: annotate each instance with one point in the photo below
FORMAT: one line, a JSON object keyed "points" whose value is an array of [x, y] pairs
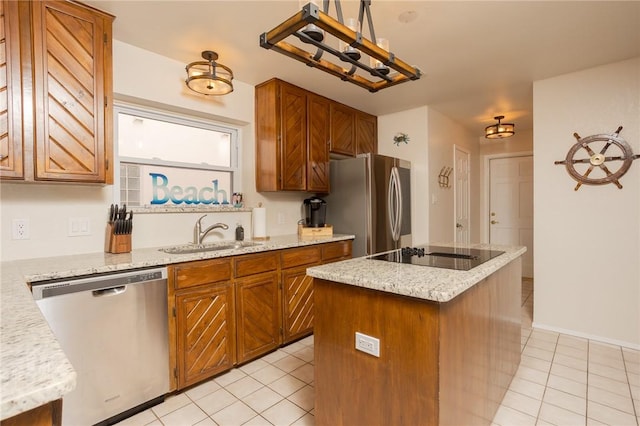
{"points": [[188, 209]]}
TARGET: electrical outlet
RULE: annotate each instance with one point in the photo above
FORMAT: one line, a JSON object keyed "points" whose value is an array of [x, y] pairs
{"points": [[280, 219], [368, 344], [79, 226], [20, 229]]}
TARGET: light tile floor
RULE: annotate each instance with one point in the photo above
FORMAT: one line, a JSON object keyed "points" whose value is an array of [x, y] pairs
{"points": [[562, 381]]}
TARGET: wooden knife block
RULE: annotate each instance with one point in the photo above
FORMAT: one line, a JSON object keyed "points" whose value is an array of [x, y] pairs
{"points": [[114, 243]]}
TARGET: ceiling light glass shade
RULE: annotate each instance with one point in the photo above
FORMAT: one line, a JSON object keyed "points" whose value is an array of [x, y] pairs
{"points": [[209, 77], [499, 130], [350, 51], [377, 65]]}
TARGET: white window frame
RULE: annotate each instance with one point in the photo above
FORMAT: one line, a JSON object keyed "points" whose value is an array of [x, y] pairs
{"points": [[182, 119]]}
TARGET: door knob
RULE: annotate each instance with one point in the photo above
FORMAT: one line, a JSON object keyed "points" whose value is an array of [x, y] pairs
{"points": [[459, 225], [493, 222]]}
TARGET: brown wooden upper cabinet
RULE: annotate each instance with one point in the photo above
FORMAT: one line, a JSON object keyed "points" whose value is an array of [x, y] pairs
{"points": [[366, 133], [296, 130], [60, 53], [343, 129]]}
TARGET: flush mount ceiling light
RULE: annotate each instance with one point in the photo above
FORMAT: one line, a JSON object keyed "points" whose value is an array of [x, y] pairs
{"points": [[499, 130], [308, 25], [209, 77]]}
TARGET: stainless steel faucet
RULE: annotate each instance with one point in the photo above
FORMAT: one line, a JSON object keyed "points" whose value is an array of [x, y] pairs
{"points": [[199, 234]]}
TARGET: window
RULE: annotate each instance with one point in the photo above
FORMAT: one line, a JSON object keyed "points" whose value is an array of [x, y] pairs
{"points": [[169, 159]]}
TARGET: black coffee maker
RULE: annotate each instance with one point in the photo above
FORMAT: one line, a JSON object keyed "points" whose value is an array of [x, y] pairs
{"points": [[315, 210]]}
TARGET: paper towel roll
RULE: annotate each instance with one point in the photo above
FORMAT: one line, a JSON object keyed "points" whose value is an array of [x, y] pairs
{"points": [[259, 222]]}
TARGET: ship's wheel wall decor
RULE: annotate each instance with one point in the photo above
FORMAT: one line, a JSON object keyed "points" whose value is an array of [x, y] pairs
{"points": [[596, 147]]}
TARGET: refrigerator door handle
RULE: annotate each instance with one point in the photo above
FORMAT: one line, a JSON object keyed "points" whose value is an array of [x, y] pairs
{"points": [[399, 205], [393, 204]]}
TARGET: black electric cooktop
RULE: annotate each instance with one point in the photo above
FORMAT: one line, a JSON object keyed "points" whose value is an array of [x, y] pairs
{"points": [[461, 259]]}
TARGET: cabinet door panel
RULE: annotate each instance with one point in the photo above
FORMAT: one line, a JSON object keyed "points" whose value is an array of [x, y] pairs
{"points": [[340, 250], [257, 315], [318, 157], [205, 332], [297, 289], [294, 137], [342, 129], [252, 264], [366, 133], [203, 272], [69, 73], [11, 144]]}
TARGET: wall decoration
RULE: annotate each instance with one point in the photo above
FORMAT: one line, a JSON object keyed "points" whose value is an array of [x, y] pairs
{"points": [[443, 177], [580, 169], [400, 137]]}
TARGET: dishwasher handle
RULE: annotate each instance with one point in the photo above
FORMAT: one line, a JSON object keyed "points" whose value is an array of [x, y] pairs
{"points": [[113, 291], [96, 283]]}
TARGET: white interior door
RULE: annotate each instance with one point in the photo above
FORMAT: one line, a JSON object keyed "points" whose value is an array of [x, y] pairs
{"points": [[461, 160], [511, 205]]}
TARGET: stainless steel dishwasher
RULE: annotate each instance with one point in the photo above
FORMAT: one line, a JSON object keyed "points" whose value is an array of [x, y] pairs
{"points": [[113, 329]]}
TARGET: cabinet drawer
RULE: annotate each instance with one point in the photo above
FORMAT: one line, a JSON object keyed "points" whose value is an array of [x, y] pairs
{"points": [[334, 251], [202, 272], [300, 256], [255, 264]]}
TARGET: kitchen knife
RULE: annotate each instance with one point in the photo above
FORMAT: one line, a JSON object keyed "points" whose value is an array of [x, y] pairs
{"points": [[130, 222], [111, 212]]}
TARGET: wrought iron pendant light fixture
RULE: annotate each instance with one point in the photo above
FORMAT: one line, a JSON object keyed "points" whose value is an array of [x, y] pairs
{"points": [[499, 130], [209, 77], [309, 26]]}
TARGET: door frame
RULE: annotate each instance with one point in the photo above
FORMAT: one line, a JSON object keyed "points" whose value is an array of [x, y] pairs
{"points": [[486, 189], [455, 198]]}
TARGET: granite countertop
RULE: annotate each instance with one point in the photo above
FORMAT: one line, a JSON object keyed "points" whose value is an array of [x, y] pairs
{"points": [[423, 282], [33, 368]]}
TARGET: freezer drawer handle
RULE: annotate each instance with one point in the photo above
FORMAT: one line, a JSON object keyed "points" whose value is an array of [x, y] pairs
{"points": [[113, 291]]}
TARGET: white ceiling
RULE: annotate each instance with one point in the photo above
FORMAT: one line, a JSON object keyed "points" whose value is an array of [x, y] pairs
{"points": [[478, 58]]}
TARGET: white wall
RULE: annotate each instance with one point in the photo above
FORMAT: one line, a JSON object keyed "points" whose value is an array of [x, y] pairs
{"points": [[143, 77], [444, 133], [414, 123], [587, 242]]}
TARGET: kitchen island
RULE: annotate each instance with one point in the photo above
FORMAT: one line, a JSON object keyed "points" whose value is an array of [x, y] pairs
{"points": [[449, 341]]}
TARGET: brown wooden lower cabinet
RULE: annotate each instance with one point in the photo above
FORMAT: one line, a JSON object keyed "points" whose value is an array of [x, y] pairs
{"points": [[205, 332], [49, 414], [440, 363], [257, 319], [297, 296], [228, 311]]}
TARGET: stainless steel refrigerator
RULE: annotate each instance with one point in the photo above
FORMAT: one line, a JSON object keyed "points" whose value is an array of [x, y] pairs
{"points": [[371, 198]]}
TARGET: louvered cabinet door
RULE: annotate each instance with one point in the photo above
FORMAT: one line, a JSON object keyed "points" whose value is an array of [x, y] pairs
{"points": [[11, 142], [318, 149], [293, 145], [205, 332], [297, 293], [72, 92]]}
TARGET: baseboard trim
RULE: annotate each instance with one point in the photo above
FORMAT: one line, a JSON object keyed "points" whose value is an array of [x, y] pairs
{"points": [[595, 338]]}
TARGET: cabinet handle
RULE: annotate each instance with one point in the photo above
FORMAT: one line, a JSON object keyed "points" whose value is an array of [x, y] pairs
{"points": [[3, 156]]}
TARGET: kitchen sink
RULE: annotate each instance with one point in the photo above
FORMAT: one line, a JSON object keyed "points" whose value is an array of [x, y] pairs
{"points": [[199, 248]]}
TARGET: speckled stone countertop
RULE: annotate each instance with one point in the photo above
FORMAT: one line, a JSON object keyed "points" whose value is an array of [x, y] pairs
{"points": [[423, 282], [33, 368]]}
